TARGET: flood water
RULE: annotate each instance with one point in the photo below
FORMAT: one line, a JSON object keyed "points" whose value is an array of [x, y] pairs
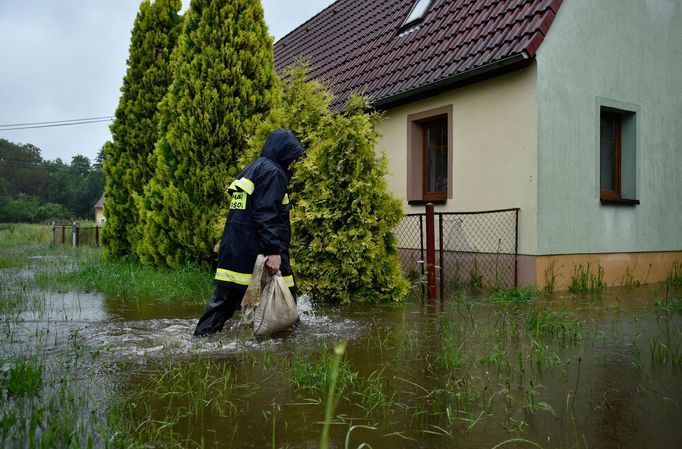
{"points": [[564, 371]]}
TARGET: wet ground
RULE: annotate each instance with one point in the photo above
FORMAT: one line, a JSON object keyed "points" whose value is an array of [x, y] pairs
{"points": [[597, 371]]}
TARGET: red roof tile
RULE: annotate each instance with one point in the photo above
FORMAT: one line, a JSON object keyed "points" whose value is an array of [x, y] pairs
{"points": [[358, 46]]}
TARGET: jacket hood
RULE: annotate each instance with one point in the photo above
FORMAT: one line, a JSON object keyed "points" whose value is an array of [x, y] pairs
{"points": [[282, 147]]}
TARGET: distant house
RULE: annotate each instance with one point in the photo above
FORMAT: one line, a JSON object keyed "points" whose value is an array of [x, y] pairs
{"points": [[567, 109], [99, 211]]}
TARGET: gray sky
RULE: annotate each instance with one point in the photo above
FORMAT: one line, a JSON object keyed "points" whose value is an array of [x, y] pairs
{"points": [[65, 60]]}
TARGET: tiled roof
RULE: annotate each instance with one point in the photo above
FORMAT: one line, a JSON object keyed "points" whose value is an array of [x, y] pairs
{"points": [[357, 45]]}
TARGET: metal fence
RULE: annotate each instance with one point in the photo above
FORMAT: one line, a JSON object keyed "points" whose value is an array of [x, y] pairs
{"points": [[75, 235], [477, 249]]}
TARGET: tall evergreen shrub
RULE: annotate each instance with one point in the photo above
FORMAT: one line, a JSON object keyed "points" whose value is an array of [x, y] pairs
{"points": [[343, 216], [135, 130], [223, 80]]}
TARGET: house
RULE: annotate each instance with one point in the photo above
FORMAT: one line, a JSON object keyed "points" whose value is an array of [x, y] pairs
{"points": [[568, 110], [99, 211]]}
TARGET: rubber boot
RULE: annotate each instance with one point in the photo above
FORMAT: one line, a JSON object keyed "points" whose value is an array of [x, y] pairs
{"points": [[219, 309]]}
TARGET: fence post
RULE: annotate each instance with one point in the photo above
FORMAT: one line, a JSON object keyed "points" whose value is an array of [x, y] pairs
{"points": [[421, 250], [74, 234], [430, 253], [441, 251], [516, 248]]}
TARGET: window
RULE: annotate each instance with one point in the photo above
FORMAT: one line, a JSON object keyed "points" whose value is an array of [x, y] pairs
{"points": [[416, 15], [617, 155], [435, 154], [429, 156], [610, 152]]}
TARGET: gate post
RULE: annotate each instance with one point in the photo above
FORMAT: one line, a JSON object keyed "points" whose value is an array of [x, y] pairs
{"points": [[430, 253], [74, 234]]}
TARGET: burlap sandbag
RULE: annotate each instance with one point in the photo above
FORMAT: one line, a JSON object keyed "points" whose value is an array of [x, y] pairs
{"points": [[268, 304]]}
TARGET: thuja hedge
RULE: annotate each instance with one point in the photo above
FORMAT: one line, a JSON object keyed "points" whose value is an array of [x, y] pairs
{"points": [[135, 130], [223, 81], [343, 216]]}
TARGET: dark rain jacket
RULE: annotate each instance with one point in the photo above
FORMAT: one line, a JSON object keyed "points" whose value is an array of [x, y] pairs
{"points": [[258, 220]]}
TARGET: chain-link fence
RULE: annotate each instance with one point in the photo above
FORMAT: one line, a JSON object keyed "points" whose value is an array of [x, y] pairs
{"points": [[477, 249]]}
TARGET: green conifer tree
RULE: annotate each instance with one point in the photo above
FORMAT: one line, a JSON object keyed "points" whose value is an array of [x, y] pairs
{"points": [[343, 216], [135, 130], [223, 80]]}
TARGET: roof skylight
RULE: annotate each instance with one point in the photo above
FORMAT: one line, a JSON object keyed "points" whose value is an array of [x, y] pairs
{"points": [[417, 14]]}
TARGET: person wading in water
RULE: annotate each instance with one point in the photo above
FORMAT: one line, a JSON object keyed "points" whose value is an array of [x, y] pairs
{"points": [[257, 223]]}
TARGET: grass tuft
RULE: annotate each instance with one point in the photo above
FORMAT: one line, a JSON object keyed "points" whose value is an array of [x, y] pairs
{"points": [[516, 295], [559, 324], [24, 378], [585, 281]]}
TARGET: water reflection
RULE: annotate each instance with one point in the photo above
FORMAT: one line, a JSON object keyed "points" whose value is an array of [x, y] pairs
{"points": [[140, 309]]}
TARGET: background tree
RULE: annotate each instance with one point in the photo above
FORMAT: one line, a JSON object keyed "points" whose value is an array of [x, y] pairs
{"points": [[223, 80], [87, 184], [21, 167], [99, 159], [135, 130], [343, 216], [33, 190]]}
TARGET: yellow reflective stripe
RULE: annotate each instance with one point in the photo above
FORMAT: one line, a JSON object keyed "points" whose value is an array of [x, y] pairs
{"points": [[289, 280], [244, 184], [286, 199], [232, 276]]}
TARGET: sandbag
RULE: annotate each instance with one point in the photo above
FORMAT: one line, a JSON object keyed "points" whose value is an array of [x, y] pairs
{"points": [[268, 304]]}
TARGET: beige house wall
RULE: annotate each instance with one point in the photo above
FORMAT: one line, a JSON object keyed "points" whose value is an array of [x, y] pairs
{"points": [[99, 215], [494, 164]]}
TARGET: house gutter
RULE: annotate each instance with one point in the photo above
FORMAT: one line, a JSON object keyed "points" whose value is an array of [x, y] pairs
{"points": [[487, 71]]}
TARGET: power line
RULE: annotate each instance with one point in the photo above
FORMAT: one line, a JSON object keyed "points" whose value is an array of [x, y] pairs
{"points": [[83, 121], [59, 121], [36, 164], [20, 163]]}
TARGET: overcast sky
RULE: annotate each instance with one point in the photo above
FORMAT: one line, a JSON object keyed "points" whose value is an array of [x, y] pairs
{"points": [[65, 60]]}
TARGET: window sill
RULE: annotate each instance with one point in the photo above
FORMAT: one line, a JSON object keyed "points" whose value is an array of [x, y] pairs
{"points": [[423, 202], [619, 201]]}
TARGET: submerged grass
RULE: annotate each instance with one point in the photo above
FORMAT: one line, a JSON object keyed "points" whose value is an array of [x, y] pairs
{"points": [[20, 241], [62, 269], [560, 324], [87, 271], [673, 304], [318, 374], [23, 379], [53, 405], [169, 407], [516, 295]]}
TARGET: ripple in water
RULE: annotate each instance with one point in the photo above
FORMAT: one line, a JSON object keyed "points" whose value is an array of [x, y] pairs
{"points": [[162, 338]]}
